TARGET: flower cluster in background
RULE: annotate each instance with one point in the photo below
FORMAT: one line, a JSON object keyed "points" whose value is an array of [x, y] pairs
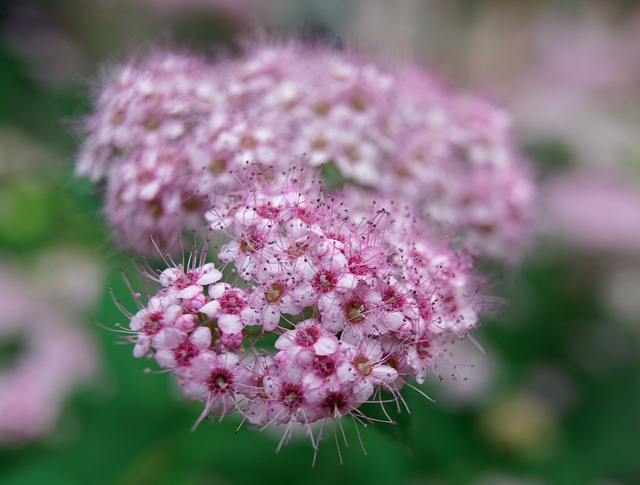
{"points": [[45, 353], [168, 128]]}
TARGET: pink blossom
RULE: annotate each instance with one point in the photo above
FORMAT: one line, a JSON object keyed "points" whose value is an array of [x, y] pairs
{"points": [[358, 303], [52, 356], [594, 210], [217, 380], [359, 287], [394, 132]]}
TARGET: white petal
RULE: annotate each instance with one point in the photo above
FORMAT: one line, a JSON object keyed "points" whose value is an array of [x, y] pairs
{"points": [[201, 337], [228, 360], [202, 365], [190, 292], [209, 275], [141, 347], [284, 341], [210, 309], [230, 324], [347, 282], [217, 290], [394, 320], [168, 338], [345, 372], [196, 390], [165, 359], [170, 276], [270, 318], [384, 373], [326, 345]]}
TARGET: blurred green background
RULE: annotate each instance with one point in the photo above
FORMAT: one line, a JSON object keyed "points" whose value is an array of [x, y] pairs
{"points": [[556, 397]]}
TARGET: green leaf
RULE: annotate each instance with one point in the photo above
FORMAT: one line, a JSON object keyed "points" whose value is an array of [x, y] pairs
{"points": [[332, 179]]}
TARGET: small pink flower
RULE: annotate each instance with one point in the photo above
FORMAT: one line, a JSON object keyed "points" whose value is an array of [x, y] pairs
{"points": [[308, 334], [179, 353], [229, 307], [149, 322], [217, 380]]}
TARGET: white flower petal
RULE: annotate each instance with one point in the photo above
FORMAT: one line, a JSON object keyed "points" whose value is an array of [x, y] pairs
{"points": [[230, 324], [326, 345]]}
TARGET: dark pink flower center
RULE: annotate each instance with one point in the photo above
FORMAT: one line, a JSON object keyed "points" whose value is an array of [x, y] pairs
{"points": [[231, 302], [324, 366], [392, 299], [151, 324], [291, 396], [324, 281], [268, 211], [425, 309], [423, 347], [307, 336], [337, 403], [184, 352], [303, 214], [192, 276], [449, 304], [250, 243], [297, 248], [220, 382], [357, 266]]}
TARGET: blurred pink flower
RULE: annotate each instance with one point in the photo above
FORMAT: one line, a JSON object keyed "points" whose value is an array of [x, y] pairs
{"points": [[594, 210], [45, 355], [581, 87]]}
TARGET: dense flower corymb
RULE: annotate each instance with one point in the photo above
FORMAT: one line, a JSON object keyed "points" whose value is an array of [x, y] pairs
{"points": [[359, 305]]}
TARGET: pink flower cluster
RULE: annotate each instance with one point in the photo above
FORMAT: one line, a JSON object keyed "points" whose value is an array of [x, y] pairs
{"points": [[323, 300], [358, 305], [168, 129], [44, 357]]}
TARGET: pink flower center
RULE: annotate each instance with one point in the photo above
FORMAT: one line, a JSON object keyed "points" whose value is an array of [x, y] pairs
{"points": [[324, 281], [290, 396], [307, 336], [303, 214], [184, 280], [250, 243], [337, 403], [423, 348], [392, 300], [425, 309], [268, 211], [297, 248], [324, 366], [449, 303], [357, 266], [152, 325], [220, 382], [184, 353], [231, 303]]}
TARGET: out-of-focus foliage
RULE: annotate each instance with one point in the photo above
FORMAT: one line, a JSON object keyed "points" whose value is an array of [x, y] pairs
{"points": [[554, 401]]}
